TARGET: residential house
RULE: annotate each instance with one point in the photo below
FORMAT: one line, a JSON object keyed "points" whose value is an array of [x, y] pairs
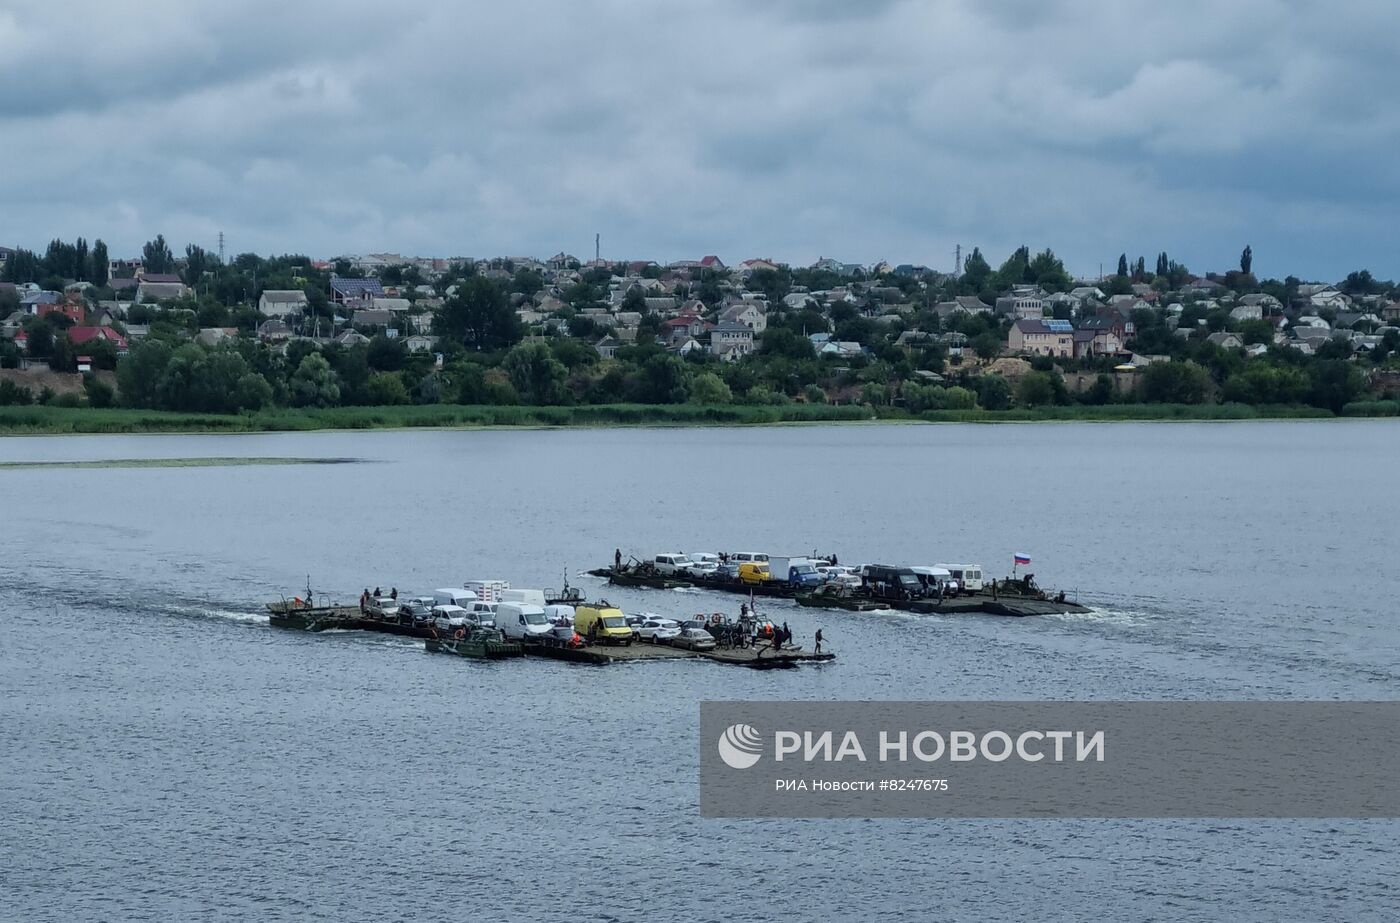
{"points": [[749, 313], [86, 334], [607, 347], [1357, 320], [754, 265], [842, 349], [420, 343], [1085, 292], [121, 287], [1122, 327], [355, 291], [712, 262], [1101, 341], [281, 302], [676, 330], [1246, 312], [1041, 337], [799, 300], [75, 312], [213, 336], [372, 317], [148, 291], [352, 338], [731, 341], [1226, 340], [274, 330], [1021, 305], [1203, 286], [1268, 303], [32, 301]]}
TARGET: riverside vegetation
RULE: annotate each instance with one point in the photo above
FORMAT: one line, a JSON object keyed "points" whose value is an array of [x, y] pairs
{"points": [[490, 368]]}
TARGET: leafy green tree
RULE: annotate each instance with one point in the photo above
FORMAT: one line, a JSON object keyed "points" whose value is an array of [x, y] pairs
{"points": [[535, 374], [875, 394], [479, 316], [1175, 383], [635, 300], [1036, 389], [661, 379], [156, 256], [1335, 383], [709, 388], [1048, 271], [386, 388], [253, 392], [13, 395], [23, 266], [976, 271], [139, 372], [100, 264], [386, 355], [1247, 261], [1122, 265], [993, 392], [314, 384], [197, 263], [783, 341]]}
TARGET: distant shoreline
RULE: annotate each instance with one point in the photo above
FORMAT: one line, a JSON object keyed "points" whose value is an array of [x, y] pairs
{"points": [[45, 420]]}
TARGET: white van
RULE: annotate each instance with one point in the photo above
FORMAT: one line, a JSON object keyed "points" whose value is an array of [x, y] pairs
{"points": [[484, 614], [453, 596], [748, 557], [522, 620], [488, 590], [671, 563], [968, 576], [529, 597], [449, 617], [936, 579]]}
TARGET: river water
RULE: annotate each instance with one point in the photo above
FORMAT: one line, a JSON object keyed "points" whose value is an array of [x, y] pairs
{"points": [[164, 754]]}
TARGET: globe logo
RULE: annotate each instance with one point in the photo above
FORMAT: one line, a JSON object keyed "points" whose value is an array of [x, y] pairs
{"points": [[740, 746]]}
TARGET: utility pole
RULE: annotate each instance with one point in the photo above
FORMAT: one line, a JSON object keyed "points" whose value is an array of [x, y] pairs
{"points": [[221, 246], [597, 248]]}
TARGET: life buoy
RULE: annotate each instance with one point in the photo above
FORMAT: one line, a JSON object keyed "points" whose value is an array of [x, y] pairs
{"points": [[459, 634]]}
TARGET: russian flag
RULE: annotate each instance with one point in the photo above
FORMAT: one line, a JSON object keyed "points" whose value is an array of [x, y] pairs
{"points": [[1022, 559]]}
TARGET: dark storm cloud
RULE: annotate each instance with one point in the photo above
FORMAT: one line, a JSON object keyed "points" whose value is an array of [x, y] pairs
{"points": [[788, 129]]}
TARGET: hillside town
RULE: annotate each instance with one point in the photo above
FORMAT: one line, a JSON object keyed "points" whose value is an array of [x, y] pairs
{"points": [[194, 332]]}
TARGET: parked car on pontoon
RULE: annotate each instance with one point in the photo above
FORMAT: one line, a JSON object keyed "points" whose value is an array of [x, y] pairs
{"points": [[658, 630], [694, 639]]}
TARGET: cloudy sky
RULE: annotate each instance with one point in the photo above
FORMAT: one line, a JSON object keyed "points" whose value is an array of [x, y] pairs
{"points": [[861, 129]]}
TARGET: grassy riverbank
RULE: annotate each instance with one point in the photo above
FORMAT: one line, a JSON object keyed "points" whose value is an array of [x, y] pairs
{"points": [[39, 420]]}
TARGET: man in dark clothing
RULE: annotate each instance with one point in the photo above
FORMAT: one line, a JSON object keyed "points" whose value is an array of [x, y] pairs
{"points": [[394, 593], [819, 640], [617, 559], [787, 634]]}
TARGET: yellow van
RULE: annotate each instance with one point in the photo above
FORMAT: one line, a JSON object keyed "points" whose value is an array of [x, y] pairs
{"points": [[753, 573], [602, 624]]}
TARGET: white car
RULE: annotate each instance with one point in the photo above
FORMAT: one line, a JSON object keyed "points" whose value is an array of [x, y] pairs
{"points": [[658, 630], [670, 564], [702, 568], [694, 639], [840, 576]]}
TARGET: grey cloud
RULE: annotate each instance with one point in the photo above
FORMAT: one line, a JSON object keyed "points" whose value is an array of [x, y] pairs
{"points": [[789, 129]]}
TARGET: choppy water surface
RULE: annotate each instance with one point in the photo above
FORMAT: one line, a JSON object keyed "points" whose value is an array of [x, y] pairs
{"points": [[165, 754]]}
